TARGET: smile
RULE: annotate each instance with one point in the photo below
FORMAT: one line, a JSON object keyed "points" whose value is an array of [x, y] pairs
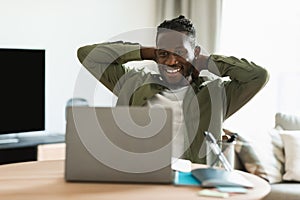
{"points": [[173, 71]]}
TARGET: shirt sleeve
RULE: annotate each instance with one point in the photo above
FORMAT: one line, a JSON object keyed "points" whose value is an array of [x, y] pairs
{"points": [[105, 61], [246, 79]]}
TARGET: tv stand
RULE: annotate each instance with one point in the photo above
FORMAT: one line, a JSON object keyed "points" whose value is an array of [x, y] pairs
{"points": [[9, 140], [24, 148]]}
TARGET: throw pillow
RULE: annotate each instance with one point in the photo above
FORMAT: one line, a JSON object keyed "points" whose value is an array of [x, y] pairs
{"points": [[291, 141], [287, 121], [249, 159], [278, 146], [263, 159]]}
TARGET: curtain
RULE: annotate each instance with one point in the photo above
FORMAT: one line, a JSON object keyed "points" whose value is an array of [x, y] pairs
{"points": [[205, 15]]}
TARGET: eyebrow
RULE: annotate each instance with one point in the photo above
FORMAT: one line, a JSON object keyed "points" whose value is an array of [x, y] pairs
{"points": [[163, 48]]}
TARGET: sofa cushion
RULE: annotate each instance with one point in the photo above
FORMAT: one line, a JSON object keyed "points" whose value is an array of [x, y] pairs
{"points": [[248, 158], [286, 191], [287, 121], [266, 161], [291, 141]]}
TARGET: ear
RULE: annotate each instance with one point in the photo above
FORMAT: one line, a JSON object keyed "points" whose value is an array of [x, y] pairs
{"points": [[197, 51], [195, 71]]}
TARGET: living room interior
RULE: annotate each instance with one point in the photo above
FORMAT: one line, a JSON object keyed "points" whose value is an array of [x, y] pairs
{"points": [[265, 32]]}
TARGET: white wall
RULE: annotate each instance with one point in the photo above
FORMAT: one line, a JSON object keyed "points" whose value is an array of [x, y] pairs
{"points": [[60, 27], [266, 32]]}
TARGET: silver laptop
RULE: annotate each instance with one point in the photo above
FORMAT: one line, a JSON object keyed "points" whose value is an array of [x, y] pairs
{"points": [[119, 144]]}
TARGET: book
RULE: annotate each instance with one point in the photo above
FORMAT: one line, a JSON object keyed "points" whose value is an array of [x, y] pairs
{"points": [[214, 177], [185, 179]]}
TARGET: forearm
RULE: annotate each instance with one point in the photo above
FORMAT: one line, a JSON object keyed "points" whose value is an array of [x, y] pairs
{"points": [[105, 61], [109, 53], [237, 69]]}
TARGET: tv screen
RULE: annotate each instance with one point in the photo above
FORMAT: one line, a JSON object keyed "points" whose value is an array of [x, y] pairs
{"points": [[22, 87]]}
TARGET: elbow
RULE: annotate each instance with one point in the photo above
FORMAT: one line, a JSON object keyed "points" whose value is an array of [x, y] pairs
{"points": [[84, 51], [80, 54], [263, 77]]}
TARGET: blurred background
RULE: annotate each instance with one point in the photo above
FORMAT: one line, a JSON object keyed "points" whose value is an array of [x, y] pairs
{"points": [[265, 32]]}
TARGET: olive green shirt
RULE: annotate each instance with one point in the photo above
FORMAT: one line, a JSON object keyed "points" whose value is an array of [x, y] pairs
{"points": [[206, 104]]}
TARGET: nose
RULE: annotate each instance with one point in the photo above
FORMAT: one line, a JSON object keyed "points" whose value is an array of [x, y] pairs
{"points": [[171, 60]]}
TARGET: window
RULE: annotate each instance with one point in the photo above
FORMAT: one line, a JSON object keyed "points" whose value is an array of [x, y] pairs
{"points": [[267, 33]]}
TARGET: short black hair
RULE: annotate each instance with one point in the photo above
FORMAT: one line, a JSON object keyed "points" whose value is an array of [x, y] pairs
{"points": [[180, 24]]}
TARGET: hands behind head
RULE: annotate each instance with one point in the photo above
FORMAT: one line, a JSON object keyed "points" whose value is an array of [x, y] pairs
{"points": [[199, 63]]}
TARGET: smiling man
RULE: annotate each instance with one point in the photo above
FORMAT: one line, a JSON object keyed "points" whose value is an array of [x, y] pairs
{"points": [[198, 105]]}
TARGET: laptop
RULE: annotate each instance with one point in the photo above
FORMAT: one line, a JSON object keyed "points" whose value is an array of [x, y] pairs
{"points": [[119, 144]]}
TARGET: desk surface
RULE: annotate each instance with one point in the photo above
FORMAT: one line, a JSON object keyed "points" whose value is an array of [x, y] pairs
{"points": [[45, 180]]}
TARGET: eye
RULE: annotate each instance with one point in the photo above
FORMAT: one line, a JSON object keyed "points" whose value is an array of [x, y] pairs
{"points": [[163, 54], [180, 52]]}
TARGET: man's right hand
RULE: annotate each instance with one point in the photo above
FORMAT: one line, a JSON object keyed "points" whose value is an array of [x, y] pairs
{"points": [[148, 53]]}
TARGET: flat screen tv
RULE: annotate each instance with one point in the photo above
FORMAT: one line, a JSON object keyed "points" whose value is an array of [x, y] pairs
{"points": [[22, 87]]}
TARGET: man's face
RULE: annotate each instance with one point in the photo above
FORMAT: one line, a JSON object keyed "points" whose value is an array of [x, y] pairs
{"points": [[174, 56]]}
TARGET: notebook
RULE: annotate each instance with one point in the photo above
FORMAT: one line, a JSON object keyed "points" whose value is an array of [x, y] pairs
{"points": [[214, 177], [119, 144]]}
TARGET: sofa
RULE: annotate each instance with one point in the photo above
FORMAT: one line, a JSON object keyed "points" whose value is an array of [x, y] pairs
{"points": [[278, 160]]}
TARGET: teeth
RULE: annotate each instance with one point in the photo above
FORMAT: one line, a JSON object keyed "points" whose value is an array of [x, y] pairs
{"points": [[173, 70]]}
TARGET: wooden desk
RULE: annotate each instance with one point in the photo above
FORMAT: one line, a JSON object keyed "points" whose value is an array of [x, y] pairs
{"points": [[45, 180], [27, 147]]}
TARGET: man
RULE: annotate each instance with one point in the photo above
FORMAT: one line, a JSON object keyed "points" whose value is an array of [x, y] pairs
{"points": [[198, 105]]}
